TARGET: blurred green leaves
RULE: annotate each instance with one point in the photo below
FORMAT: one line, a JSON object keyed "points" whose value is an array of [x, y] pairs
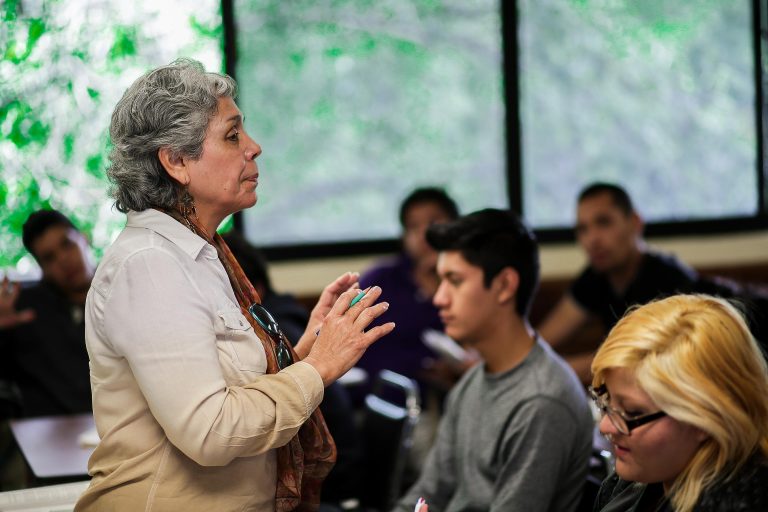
{"points": [[355, 103], [19, 50], [658, 96], [124, 44], [63, 66], [21, 126]]}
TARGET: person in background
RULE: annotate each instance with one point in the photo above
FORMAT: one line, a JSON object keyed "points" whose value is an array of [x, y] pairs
{"points": [[517, 430], [683, 389], [199, 400], [344, 481], [43, 342], [622, 270], [409, 281], [9, 315]]}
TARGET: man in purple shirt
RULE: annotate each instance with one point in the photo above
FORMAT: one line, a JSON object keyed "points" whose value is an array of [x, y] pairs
{"points": [[409, 281]]}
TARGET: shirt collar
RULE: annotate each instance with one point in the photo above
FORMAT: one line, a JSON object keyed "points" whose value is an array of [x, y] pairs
{"points": [[172, 230]]}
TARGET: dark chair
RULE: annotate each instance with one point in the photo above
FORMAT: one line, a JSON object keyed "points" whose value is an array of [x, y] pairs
{"points": [[390, 415], [751, 299], [10, 400], [600, 466]]}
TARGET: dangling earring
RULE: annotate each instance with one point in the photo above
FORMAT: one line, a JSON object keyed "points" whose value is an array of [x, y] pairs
{"points": [[187, 207]]}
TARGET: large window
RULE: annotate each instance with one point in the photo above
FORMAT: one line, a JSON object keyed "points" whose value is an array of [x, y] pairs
{"points": [[356, 103], [63, 66], [659, 96]]}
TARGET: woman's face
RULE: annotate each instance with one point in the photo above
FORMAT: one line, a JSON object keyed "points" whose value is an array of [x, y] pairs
{"points": [[418, 218], [224, 179], [655, 452]]}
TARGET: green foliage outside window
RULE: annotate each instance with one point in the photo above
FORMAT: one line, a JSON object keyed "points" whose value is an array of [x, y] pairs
{"points": [[656, 95], [357, 103], [64, 65]]}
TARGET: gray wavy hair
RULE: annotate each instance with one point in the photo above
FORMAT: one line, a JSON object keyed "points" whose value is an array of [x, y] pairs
{"points": [[169, 106]]}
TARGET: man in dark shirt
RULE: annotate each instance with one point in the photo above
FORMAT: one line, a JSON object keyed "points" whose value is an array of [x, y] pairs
{"points": [[44, 353], [622, 270]]}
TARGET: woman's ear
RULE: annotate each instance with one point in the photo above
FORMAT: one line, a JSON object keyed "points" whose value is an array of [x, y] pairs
{"points": [[174, 165], [506, 282]]}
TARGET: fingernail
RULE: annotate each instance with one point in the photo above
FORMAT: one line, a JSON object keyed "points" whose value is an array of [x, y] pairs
{"points": [[386, 305]]}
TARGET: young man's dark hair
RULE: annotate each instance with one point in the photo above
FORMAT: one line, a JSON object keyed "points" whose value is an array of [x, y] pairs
{"points": [[429, 195], [618, 195], [493, 240], [38, 223]]}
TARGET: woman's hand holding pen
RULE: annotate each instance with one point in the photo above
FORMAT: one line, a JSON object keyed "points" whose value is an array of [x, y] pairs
{"points": [[328, 298], [343, 339]]}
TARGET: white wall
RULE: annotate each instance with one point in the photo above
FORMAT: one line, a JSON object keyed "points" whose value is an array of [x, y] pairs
{"points": [[305, 278]]}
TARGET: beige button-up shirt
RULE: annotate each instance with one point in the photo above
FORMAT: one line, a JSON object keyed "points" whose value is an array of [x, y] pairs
{"points": [[187, 417]]}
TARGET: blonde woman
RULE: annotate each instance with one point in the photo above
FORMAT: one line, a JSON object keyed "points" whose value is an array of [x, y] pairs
{"points": [[683, 389]]}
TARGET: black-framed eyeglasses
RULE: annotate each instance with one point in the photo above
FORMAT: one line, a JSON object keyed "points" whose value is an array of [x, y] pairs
{"points": [[623, 423], [269, 324]]}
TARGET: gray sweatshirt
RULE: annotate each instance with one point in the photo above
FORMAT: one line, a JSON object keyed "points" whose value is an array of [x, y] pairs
{"points": [[515, 441]]}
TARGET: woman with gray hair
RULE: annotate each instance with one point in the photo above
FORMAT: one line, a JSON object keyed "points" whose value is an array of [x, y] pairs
{"points": [[200, 402]]}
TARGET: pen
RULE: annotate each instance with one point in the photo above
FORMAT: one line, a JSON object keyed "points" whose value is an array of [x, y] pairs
{"points": [[358, 297], [354, 301]]}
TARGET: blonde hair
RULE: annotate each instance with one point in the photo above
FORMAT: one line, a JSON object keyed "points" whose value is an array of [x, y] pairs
{"points": [[696, 358]]}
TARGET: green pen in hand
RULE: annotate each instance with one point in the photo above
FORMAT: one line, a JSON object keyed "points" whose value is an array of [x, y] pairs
{"points": [[354, 301], [358, 297]]}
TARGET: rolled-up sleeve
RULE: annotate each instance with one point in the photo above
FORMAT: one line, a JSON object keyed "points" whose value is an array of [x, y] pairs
{"points": [[162, 323]]}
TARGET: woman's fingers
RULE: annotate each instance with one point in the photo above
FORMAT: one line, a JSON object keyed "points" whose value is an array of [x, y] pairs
{"points": [[373, 334], [369, 314], [370, 295], [342, 283], [343, 339], [342, 303], [331, 292], [328, 298]]}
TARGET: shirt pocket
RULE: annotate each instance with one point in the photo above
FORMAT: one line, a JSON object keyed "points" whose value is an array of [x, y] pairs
{"points": [[241, 342]]}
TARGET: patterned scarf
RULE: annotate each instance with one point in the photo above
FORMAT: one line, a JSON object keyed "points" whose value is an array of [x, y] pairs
{"points": [[306, 460]]}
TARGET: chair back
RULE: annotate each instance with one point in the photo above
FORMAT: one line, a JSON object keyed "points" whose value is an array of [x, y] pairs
{"points": [[10, 400], [601, 464], [391, 413]]}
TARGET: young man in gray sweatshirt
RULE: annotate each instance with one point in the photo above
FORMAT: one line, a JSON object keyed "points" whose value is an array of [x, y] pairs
{"points": [[516, 434]]}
